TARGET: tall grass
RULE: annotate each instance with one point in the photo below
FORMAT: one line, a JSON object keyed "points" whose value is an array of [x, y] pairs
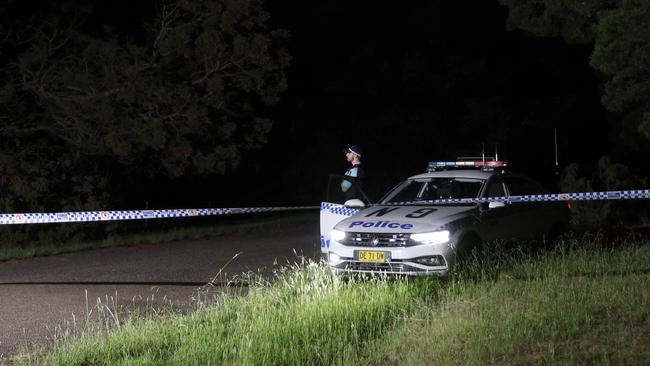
{"points": [[307, 316], [578, 304]]}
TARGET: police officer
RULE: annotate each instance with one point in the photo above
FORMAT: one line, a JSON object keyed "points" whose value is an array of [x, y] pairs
{"points": [[351, 187]]}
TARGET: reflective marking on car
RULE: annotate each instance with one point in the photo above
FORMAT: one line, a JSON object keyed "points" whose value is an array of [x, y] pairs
{"points": [[418, 214], [388, 224], [382, 211]]}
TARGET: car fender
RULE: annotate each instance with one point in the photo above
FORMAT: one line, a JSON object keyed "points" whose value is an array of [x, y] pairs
{"points": [[330, 215]]}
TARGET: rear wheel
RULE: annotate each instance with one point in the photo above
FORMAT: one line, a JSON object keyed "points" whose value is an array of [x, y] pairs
{"points": [[553, 235]]}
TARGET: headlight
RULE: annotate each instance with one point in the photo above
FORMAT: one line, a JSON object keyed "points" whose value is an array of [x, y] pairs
{"points": [[434, 237], [334, 259], [337, 235]]}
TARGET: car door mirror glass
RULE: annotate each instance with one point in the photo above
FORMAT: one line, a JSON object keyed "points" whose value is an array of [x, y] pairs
{"points": [[354, 203], [492, 205]]}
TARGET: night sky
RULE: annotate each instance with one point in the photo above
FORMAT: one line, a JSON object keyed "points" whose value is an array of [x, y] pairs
{"points": [[410, 83]]}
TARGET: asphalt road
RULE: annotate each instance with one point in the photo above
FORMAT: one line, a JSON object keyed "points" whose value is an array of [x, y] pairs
{"points": [[40, 296]]}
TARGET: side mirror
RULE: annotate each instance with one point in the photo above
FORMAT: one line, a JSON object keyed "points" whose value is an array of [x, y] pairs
{"points": [[492, 205], [354, 203]]}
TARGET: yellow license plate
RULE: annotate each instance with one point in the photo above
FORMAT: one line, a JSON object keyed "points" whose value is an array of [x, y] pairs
{"points": [[375, 257]]}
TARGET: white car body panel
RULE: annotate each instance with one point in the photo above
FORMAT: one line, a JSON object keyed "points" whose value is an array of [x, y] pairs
{"points": [[330, 215], [394, 219]]}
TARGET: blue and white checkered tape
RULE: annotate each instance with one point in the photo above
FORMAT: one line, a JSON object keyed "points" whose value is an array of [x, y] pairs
{"points": [[583, 196], [87, 216], [338, 209]]}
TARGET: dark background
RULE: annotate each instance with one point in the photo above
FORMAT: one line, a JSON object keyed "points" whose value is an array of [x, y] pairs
{"points": [[420, 82], [409, 83]]}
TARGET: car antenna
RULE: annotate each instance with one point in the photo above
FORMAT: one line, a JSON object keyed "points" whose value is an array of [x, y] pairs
{"points": [[496, 151], [557, 164]]}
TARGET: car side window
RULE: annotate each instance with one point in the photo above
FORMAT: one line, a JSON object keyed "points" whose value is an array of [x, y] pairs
{"points": [[521, 186], [495, 189]]}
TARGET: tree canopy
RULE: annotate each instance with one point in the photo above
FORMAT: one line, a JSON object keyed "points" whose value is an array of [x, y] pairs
{"points": [[619, 31], [81, 109]]}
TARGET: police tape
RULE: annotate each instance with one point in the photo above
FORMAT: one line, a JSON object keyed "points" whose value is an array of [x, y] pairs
{"points": [[91, 216], [582, 196], [343, 210]]}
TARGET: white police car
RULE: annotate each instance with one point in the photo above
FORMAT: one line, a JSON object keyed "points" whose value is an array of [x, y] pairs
{"points": [[427, 223]]}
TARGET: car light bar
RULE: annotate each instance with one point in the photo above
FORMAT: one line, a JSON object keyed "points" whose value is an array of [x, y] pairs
{"points": [[436, 165]]}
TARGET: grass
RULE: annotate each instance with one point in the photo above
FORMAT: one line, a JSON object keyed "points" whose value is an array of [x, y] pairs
{"points": [[157, 234], [579, 304], [576, 305], [307, 316]]}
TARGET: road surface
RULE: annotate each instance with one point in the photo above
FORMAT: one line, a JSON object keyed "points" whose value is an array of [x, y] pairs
{"points": [[40, 295]]}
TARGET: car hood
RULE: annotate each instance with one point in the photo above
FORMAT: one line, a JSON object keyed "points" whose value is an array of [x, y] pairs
{"points": [[403, 219]]}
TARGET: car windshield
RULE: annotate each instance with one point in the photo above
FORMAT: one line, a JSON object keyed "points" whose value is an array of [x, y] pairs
{"points": [[425, 189]]}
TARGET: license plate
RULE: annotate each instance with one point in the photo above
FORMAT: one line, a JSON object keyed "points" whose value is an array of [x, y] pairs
{"points": [[374, 257]]}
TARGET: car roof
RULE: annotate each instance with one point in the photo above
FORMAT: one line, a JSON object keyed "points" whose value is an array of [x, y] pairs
{"points": [[458, 173]]}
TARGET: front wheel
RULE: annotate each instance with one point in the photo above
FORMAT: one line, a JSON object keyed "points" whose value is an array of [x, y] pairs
{"points": [[468, 247]]}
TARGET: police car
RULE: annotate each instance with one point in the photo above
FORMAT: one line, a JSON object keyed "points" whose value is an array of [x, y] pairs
{"points": [[431, 221]]}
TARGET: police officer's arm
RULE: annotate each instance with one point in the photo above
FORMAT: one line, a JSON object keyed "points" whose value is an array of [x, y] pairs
{"points": [[346, 183]]}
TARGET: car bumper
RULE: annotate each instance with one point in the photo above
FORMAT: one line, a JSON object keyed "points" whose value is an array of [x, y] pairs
{"points": [[389, 268], [399, 261]]}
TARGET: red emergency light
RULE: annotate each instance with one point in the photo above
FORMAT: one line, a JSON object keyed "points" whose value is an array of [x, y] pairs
{"points": [[487, 164]]}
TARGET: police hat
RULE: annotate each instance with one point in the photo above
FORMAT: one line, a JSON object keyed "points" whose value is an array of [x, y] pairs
{"points": [[355, 149]]}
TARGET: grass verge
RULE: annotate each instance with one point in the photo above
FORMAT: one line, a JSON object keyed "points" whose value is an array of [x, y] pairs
{"points": [[160, 235], [575, 305], [307, 316]]}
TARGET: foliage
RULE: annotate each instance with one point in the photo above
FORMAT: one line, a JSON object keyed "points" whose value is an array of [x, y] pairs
{"points": [[622, 51], [620, 33], [81, 111], [569, 19], [600, 214], [83, 115]]}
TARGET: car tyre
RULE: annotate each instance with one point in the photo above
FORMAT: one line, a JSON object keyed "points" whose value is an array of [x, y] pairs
{"points": [[553, 236], [469, 246]]}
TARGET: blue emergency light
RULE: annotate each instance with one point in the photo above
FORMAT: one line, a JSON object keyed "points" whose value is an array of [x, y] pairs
{"points": [[481, 164]]}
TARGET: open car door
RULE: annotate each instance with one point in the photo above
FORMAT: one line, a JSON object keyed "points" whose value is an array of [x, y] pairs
{"points": [[339, 205]]}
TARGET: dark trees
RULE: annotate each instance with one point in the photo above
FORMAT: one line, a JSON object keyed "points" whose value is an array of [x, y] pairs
{"points": [[619, 31], [79, 111]]}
